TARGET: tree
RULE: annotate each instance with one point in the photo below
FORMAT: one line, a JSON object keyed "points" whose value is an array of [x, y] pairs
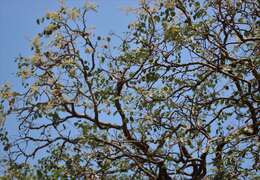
{"points": [[177, 97]]}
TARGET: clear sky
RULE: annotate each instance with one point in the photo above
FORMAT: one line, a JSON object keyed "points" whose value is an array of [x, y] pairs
{"points": [[18, 27]]}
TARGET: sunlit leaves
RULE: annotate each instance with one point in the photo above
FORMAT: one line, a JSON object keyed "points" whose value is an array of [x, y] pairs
{"points": [[36, 43], [170, 92], [53, 15], [172, 33], [169, 4], [50, 29]]}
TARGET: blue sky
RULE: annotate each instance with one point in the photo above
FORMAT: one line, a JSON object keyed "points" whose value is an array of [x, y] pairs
{"points": [[18, 27]]}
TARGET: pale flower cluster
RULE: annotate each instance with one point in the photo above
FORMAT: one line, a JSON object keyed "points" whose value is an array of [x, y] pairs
{"points": [[53, 15], [26, 73], [36, 42], [73, 13], [36, 59]]}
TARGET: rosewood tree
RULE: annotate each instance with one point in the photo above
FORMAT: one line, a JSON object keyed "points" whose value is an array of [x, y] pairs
{"points": [[177, 96]]}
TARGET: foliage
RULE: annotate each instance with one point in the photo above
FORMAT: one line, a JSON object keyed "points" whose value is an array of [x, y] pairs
{"points": [[177, 96]]}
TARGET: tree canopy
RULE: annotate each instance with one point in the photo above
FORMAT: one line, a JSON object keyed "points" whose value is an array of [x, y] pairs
{"points": [[177, 96]]}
